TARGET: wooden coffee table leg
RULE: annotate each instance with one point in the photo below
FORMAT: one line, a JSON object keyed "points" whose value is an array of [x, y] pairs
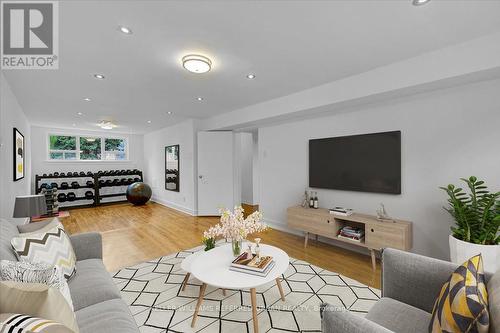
{"points": [[223, 292], [198, 304], [253, 296], [374, 260], [184, 283], [278, 283]]}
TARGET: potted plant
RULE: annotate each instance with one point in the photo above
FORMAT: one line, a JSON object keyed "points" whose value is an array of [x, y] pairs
{"points": [[477, 223]]}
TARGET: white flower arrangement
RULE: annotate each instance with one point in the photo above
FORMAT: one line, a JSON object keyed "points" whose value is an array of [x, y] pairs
{"points": [[234, 226]]}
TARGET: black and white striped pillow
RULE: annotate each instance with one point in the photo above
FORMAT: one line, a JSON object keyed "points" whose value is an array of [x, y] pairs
{"points": [[20, 323]]}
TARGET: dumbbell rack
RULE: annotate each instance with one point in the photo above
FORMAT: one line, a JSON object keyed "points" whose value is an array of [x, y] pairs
{"points": [[96, 177]]}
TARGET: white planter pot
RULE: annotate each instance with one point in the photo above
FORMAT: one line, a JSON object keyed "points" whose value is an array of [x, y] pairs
{"points": [[460, 251]]}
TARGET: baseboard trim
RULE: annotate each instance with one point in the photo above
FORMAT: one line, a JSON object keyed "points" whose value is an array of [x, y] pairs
{"points": [[175, 206]]}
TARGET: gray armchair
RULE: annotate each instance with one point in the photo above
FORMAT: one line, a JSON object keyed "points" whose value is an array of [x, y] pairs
{"points": [[410, 285]]}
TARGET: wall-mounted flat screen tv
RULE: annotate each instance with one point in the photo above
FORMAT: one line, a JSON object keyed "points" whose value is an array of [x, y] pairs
{"points": [[366, 162]]}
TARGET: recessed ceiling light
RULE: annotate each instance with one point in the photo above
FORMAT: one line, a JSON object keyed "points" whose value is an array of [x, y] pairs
{"points": [[420, 2], [149, 121], [86, 99], [79, 113], [196, 63], [99, 76], [251, 76], [125, 30], [169, 112], [199, 99], [73, 125], [107, 125]]}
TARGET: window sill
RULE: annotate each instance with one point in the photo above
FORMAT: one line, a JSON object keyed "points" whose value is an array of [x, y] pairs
{"points": [[88, 161]]}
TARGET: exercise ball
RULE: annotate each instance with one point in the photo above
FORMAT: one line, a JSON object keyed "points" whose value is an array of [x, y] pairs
{"points": [[138, 193]]}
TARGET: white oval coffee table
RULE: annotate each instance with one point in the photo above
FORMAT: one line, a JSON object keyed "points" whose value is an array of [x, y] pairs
{"points": [[212, 268]]}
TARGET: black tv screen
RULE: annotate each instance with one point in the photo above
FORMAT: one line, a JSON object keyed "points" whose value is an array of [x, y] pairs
{"points": [[366, 162]]}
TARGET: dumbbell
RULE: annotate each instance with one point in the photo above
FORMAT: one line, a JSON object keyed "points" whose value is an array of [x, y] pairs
{"points": [[75, 184], [54, 185], [64, 185], [90, 183], [61, 197], [89, 195], [71, 196]]}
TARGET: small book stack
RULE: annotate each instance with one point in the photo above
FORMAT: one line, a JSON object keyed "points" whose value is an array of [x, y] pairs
{"points": [[352, 233], [341, 211], [252, 266]]}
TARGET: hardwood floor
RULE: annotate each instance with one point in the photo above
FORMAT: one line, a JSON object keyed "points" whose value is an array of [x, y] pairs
{"points": [[133, 234]]}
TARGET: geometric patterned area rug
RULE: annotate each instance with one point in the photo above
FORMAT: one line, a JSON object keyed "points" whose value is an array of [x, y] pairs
{"points": [[153, 292]]}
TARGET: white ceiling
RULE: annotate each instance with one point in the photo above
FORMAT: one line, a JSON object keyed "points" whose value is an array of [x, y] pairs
{"points": [[289, 45]]}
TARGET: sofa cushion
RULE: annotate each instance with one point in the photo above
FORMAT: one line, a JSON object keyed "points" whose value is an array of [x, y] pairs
{"points": [[399, 317], [7, 232], [107, 317], [494, 302], [91, 284]]}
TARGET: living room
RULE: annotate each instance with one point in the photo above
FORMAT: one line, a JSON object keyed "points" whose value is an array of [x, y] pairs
{"points": [[337, 126]]}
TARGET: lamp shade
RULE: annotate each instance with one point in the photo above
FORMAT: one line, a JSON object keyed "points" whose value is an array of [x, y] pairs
{"points": [[30, 205]]}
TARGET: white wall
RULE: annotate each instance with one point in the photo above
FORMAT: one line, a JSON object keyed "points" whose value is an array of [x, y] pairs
{"points": [[246, 166], [11, 115], [182, 134], [446, 135], [41, 164]]}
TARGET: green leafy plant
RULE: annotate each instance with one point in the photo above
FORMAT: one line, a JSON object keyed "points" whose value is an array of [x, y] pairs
{"points": [[209, 243], [477, 213]]}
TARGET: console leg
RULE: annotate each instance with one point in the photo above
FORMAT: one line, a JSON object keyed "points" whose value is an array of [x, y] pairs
{"points": [[306, 237], [374, 260]]}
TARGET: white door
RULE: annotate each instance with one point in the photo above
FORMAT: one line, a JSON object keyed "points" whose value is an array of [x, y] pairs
{"points": [[215, 172]]}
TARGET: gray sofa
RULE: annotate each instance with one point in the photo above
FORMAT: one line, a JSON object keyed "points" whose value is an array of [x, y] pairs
{"points": [[410, 286], [98, 305]]}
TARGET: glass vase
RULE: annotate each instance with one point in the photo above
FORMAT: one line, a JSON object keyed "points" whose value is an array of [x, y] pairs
{"points": [[236, 246]]}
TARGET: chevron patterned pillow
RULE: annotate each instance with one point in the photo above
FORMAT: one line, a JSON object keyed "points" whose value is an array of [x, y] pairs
{"points": [[50, 246], [462, 305]]}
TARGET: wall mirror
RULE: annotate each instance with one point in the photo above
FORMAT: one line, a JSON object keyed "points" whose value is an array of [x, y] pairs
{"points": [[172, 168]]}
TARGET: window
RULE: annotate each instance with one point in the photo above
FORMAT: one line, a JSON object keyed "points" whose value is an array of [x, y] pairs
{"points": [[62, 147], [87, 148], [114, 149]]}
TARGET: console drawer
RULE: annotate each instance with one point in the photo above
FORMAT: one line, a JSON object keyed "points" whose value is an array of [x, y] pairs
{"points": [[317, 225], [378, 236]]}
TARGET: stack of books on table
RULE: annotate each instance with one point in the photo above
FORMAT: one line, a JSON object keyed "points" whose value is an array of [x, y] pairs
{"points": [[252, 266], [352, 233], [341, 211]]}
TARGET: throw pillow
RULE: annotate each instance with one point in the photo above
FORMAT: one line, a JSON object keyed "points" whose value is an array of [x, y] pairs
{"points": [[51, 246], [20, 323], [462, 305], [38, 300], [35, 273]]}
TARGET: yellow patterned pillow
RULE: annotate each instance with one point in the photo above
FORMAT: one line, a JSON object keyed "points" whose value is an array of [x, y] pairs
{"points": [[462, 305]]}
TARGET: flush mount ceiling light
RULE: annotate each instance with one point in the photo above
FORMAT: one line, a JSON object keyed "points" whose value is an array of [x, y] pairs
{"points": [[125, 30], [79, 113], [199, 99], [149, 121], [107, 125], [99, 76], [86, 99], [196, 63], [420, 2], [169, 112], [251, 76]]}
